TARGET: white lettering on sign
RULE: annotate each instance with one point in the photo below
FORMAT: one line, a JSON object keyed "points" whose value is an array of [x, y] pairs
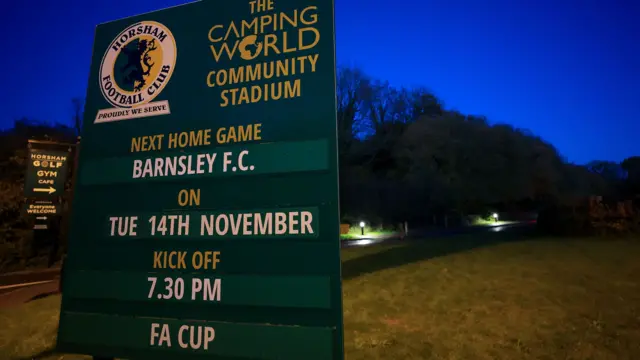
{"points": [[205, 289], [294, 222], [270, 223], [123, 225], [195, 337], [185, 165], [169, 225], [189, 336], [160, 335]]}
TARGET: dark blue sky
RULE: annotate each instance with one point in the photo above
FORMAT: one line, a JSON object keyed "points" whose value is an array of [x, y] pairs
{"points": [[567, 70]]}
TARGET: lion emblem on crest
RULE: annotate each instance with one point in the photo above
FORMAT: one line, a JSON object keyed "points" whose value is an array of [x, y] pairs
{"points": [[138, 65]]}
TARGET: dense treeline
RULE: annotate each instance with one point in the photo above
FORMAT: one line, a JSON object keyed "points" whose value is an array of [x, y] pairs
{"points": [[403, 157]]}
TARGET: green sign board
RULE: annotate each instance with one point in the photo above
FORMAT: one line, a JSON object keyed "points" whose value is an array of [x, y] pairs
{"points": [[205, 221], [46, 173]]}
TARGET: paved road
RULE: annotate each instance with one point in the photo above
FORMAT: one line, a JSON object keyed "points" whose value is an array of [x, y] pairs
{"points": [[20, 287], [28, 276], [23, 294]]}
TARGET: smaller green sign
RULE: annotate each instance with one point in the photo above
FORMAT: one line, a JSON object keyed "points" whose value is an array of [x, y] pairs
{"points": [[40, 208], [46, 173]]}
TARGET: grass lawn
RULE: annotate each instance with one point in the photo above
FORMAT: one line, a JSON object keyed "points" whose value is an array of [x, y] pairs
{"points": [[464, 297]]}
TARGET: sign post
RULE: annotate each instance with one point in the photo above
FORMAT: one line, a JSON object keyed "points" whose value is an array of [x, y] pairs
{"points": [[45, 178], [205, 221]]}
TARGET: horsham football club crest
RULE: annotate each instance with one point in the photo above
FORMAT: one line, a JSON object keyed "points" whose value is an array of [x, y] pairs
{"points": [[135, 69]]}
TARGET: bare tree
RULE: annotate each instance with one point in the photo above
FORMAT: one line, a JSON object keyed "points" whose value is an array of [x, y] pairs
{"points": [[78, 108]]}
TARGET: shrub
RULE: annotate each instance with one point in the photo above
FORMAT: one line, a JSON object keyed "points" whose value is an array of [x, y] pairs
{"points": [[587, 220], [565, 221]]}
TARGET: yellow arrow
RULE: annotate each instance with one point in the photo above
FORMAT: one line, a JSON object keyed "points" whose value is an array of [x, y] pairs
{"points": [[50, 190]]}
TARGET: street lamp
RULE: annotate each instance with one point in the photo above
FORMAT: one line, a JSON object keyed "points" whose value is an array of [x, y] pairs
{"points": [[362, 227]]}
